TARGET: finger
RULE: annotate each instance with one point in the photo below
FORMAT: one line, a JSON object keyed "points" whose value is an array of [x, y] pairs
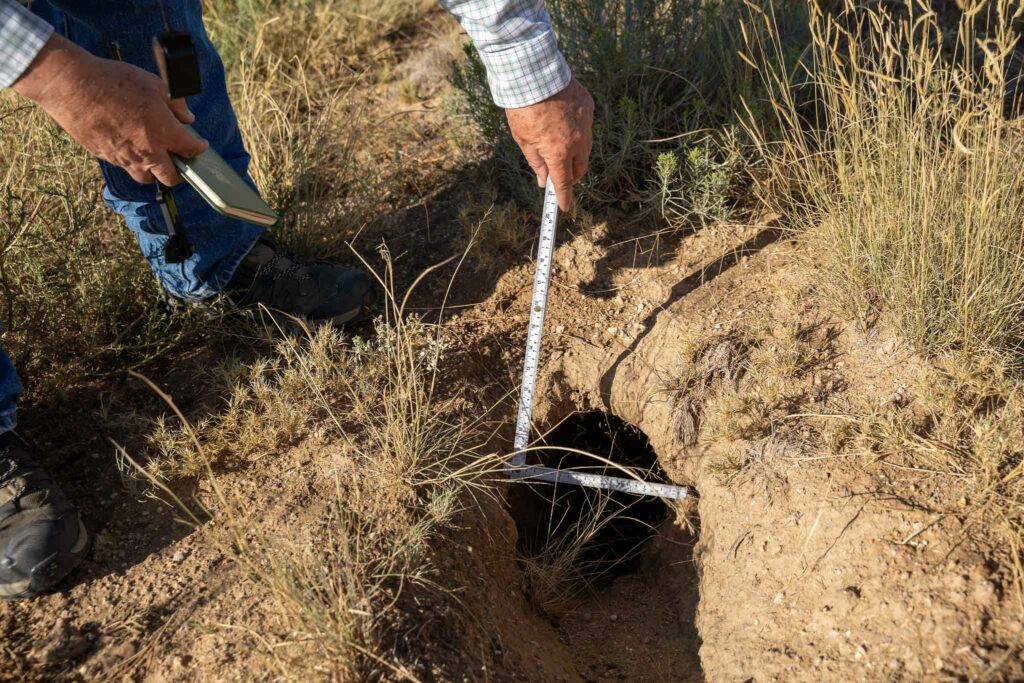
{"points": [[562, 177], [140, 175], [536, 163], [579, 167], [181, 111], [185, 143], [164, 171]]}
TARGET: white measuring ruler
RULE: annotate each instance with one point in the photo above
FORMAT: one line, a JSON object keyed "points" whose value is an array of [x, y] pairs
{"points": [[517, 467]]}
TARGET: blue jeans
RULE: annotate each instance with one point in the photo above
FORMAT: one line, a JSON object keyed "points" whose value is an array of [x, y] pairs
{"points": [[124, 30]]}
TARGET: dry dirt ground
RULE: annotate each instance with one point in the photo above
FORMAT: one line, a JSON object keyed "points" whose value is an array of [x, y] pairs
{"points": [[806, 566], [790, 563]]}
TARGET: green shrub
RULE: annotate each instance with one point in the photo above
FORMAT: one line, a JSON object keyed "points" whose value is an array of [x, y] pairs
{"points": [[699, 182], [654, 68]]}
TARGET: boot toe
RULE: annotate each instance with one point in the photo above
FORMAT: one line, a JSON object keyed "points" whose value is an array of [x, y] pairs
{"points": [[351, 295], [36, 552]]}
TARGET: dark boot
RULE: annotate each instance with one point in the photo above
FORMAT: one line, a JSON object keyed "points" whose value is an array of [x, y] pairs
{"points": [[314, 291], [41, 535]]}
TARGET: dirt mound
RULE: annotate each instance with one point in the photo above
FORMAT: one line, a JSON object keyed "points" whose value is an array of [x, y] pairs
{"points": [[811, 566]]}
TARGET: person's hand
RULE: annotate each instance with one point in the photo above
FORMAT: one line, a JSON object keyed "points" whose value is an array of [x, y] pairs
{"points": [[556, 136], [118, 112]]}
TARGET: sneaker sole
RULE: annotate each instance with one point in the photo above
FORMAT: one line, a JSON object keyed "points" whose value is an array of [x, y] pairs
{"points": [[284, 319], [50, 571], [355, 315]]}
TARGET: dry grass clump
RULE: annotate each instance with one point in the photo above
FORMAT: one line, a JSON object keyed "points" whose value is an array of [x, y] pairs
{"points": [[328, 37], [557, 575], [964, 432], [490, 231], [400, 460], [889, 148], [291, 70]]}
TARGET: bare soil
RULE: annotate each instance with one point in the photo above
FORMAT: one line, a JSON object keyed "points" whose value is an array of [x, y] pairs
{"points": [[805, 565]]}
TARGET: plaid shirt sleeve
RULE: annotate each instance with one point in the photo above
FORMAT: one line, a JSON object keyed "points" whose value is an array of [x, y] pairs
{"points": [[22, 36], [517, 45]]}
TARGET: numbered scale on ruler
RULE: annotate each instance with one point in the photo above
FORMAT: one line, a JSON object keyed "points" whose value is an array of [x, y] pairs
{"points": [[517, 467]]}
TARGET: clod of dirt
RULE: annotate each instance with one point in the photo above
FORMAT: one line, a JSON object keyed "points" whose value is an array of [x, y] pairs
{"points": [[64, 643]]}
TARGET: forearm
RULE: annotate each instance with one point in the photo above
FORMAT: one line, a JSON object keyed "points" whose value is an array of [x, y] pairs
{"points": [[22, 37], [53, 70], [517, 45]]}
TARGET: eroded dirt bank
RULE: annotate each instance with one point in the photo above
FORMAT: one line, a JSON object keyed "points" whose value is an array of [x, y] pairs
{"points": [[812, 566]]}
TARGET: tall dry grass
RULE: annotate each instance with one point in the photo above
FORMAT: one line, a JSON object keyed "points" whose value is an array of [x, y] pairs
{"points": [[890, 146], [887, 146]]}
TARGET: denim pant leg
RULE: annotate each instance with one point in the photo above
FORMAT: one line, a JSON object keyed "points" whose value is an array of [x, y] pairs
{"points": [[124, 29], [10, 389]]}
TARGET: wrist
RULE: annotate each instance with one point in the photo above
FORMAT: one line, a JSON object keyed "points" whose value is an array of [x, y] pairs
{"points": [[51, 69]]}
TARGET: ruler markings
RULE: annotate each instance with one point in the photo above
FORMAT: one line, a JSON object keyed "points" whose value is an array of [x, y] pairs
{"points": [[517, 468]]}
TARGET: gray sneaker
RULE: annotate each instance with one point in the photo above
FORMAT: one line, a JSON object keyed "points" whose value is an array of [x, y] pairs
{"points": [[42, 537], [314, 291]]}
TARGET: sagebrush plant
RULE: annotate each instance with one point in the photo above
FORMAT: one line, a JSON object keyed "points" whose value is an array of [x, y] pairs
{"points": [[656, 69], [699, 182], [889, 150], [66, 263]]}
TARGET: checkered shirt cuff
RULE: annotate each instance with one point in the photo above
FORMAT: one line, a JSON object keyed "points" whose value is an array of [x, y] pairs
{"points": [[22, 36], [526, 73]]}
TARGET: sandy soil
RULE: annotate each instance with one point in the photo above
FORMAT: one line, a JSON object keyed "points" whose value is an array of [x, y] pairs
{"points": [[807, 566]]}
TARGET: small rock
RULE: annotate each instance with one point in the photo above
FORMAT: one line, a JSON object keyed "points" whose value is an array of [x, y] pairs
{"points": [[121, 651], [613, 617], [178, 556], [985, 593]]}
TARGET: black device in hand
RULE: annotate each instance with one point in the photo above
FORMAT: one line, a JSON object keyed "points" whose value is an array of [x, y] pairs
{"points": [[178, 63]]}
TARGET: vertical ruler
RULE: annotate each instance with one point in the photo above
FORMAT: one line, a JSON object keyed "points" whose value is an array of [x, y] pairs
{"points": [[517, 468]]}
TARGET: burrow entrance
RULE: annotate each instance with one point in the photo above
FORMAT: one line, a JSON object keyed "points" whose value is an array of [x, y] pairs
{"points": [[605, 532], [612, 571]]}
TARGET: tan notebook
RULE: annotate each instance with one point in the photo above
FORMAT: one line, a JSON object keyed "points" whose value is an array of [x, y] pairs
{"points": [[224, 189]]}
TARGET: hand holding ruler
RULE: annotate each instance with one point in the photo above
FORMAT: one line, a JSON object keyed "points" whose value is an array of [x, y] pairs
{"points": [[517, 467]]}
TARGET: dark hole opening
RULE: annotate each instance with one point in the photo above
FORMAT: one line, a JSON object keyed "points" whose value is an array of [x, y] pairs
{"points": [[600, 533]]}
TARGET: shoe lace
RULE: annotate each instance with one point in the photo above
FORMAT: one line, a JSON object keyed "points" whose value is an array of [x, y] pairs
{"points": [[9, 466], [295, 262]]}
